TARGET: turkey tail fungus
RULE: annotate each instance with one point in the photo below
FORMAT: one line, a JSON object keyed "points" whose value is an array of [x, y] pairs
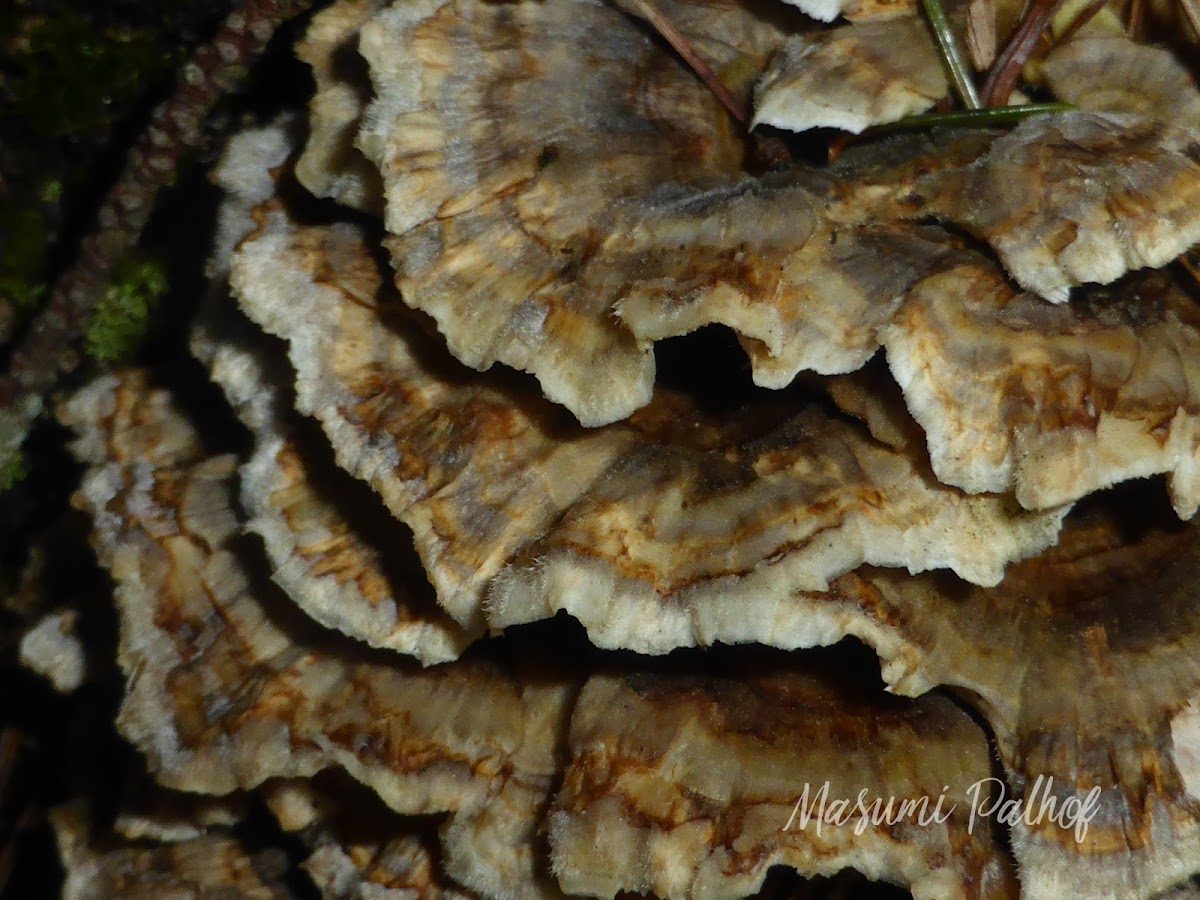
{"points": [[601, 512]]}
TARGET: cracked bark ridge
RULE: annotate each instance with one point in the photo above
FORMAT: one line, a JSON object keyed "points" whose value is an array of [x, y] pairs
{"points": [[46, 350]]}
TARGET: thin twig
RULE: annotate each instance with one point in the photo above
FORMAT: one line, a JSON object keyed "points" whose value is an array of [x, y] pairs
{"points": [[1191, 9], [10, 743], [1007, 70], [8, 858], [960, 75], [692, 57], [8, 852], [1082, 19], [46, 349], [1133, 24], [1190, 262]]}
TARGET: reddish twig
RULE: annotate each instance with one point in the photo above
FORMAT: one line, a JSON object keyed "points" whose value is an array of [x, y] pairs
{"points": [[8, 852], [46, 349], [10, 744], [1137, 13], [8, 857], [1190, 262], [1082, 19], [1003, 77], [692, 57]]}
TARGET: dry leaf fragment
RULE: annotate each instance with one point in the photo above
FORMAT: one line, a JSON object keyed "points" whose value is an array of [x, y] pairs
{"points": [[981, 33]]}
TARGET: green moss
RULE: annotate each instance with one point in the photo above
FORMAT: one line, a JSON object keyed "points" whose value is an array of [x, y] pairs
{"points": [[66, 76], [22, 258], [12, 471], [123, 314], [52, 191]]}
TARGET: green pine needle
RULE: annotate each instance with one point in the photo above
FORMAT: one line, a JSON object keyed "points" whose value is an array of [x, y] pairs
{"points": [[960, 75], [974, 118]]}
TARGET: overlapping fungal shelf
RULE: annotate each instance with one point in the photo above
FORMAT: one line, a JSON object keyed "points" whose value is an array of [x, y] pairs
{"points": [[504, 601]]}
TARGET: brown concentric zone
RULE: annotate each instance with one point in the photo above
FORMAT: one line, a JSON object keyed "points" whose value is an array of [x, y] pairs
{"points": [[718, 773], [1080, 660]]}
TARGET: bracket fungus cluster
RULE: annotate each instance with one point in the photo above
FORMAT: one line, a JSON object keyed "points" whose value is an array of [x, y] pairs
{"points": [[510, 597]]}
